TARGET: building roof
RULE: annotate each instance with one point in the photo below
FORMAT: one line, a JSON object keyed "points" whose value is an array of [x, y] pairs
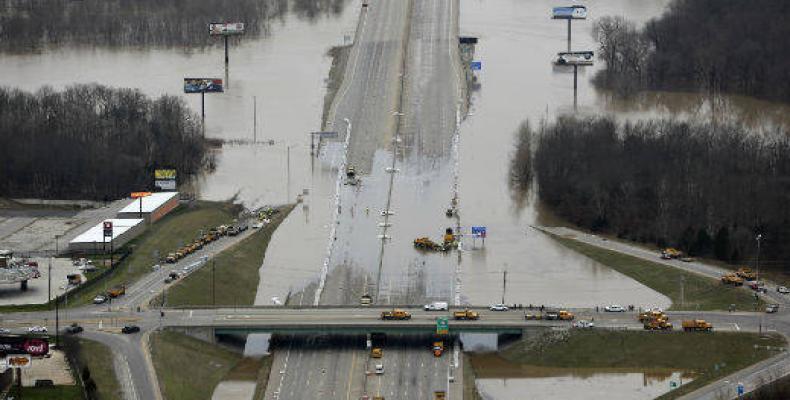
{"points": [[150, 203], [96, 232]]}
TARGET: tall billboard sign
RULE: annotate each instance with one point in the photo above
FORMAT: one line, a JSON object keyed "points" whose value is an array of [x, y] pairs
{"points": [[165, 179], [203, 85], [226, 28], [36, 347], [571, 12]]}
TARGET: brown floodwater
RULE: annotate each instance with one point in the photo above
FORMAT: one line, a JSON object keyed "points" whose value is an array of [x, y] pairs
{"points": [[500, 379]]}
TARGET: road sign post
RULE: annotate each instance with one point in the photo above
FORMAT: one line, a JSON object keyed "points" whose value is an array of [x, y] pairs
{"points": [[479, 231]]}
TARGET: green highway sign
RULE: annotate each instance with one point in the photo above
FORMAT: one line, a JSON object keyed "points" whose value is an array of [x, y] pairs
{"points": [[442, 326]]}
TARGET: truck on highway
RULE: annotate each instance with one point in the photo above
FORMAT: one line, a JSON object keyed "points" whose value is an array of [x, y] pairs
{"points": [[439, 395], [696, 325], [658, 325], [436, 306], [395, 314], [670, 253], [746, 273], [116, 291], [652, 315], [438, 348], [466, 315], [732, 279]]}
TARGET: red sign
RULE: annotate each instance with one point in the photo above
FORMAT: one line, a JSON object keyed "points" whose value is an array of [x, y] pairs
{"points": [[137, 195], [36, 347], [107, 228]]}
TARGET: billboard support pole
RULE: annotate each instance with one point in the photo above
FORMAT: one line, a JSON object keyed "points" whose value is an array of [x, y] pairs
{"points": [[226, 50], [575, 84], [569, 35], [202, 112], [254, 119]]}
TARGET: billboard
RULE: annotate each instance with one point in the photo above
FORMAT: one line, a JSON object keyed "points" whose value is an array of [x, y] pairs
{"points": [[575, 58], [572, 12], [165, 174], [165, 185], [203, 85], [19, 344], [226, 28]]}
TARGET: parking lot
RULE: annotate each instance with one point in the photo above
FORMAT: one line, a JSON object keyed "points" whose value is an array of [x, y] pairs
{"points": [[37, 289]]}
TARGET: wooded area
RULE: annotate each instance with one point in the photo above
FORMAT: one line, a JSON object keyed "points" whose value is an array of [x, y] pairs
{"points": [[707, 191], [92, 142], [729, 46], [33, 24]]}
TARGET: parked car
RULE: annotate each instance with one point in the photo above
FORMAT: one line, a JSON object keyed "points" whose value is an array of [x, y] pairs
{"points": [[498, 307], [37, 329], [130, 329], [584, 324], [74, 329], [100, 299], [783, 290], [614, 308], [4, 330]]}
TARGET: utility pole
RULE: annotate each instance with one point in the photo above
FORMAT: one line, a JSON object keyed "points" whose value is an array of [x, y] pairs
{"points": [[682, 294], [288, 174], [213, 283], [504, 285], [569, 35], [759, 237], [254, 119], [49, 283]]}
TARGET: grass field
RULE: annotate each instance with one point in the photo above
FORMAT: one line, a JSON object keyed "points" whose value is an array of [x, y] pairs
{"points": [[165, 236], [98, 359], [709, 355], [189, 369], [235, 272], [263, 377], [700, 293]]}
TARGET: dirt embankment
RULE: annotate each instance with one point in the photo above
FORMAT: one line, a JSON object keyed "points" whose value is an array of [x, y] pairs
{"points": [[467, 53], [339, 56]]}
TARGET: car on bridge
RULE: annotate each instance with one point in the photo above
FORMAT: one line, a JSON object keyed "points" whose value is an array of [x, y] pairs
{"points": [[379, 369], [100, 299], [783, 290], [498, 307], [37, 329], [436, 306], [614, 308]]}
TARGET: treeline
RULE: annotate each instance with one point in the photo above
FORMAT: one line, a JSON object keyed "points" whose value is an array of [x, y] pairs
{"points": [[731, 46], [707, 191], [35, 24], [92, 142]]}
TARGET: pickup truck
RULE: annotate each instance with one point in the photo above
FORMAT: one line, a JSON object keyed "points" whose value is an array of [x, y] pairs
{"points": [[395, 314]]}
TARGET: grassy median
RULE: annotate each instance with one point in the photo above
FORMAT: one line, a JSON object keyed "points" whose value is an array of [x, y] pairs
{"points": [[73, 392], [700, 293], [708, 356], [208, 365], [98, 359], [232, 276], [165, 236]]}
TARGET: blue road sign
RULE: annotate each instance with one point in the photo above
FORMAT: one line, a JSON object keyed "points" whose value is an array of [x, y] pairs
{"points": [[476, 65], [479, 231]]}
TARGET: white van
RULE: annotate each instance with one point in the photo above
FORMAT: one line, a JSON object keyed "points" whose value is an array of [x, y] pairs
{"points": [[436, 306]]}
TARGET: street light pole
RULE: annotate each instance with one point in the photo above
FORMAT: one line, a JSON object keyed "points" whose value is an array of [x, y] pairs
{"points": [[759, 237]]}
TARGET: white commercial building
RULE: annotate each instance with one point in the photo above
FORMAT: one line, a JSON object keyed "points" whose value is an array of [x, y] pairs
{"points": [[93, 240], [151, 207]]}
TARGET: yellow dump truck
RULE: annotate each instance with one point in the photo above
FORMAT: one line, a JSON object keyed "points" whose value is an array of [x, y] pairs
{"points": [[438, 348], [466, 314], [566, 315], [376, 352], [746, 273], [439, 395], [658, 325], [670, 253], [652, 315], [395, 314], [697, 325], [732, 279], [116, 291]]}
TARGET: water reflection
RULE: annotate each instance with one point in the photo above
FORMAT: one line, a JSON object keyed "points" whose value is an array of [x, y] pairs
{"points": [[30, 24], [500, 379]]}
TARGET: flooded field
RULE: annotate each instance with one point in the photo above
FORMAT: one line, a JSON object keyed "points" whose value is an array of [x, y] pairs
{"points": [[501, 380]]}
